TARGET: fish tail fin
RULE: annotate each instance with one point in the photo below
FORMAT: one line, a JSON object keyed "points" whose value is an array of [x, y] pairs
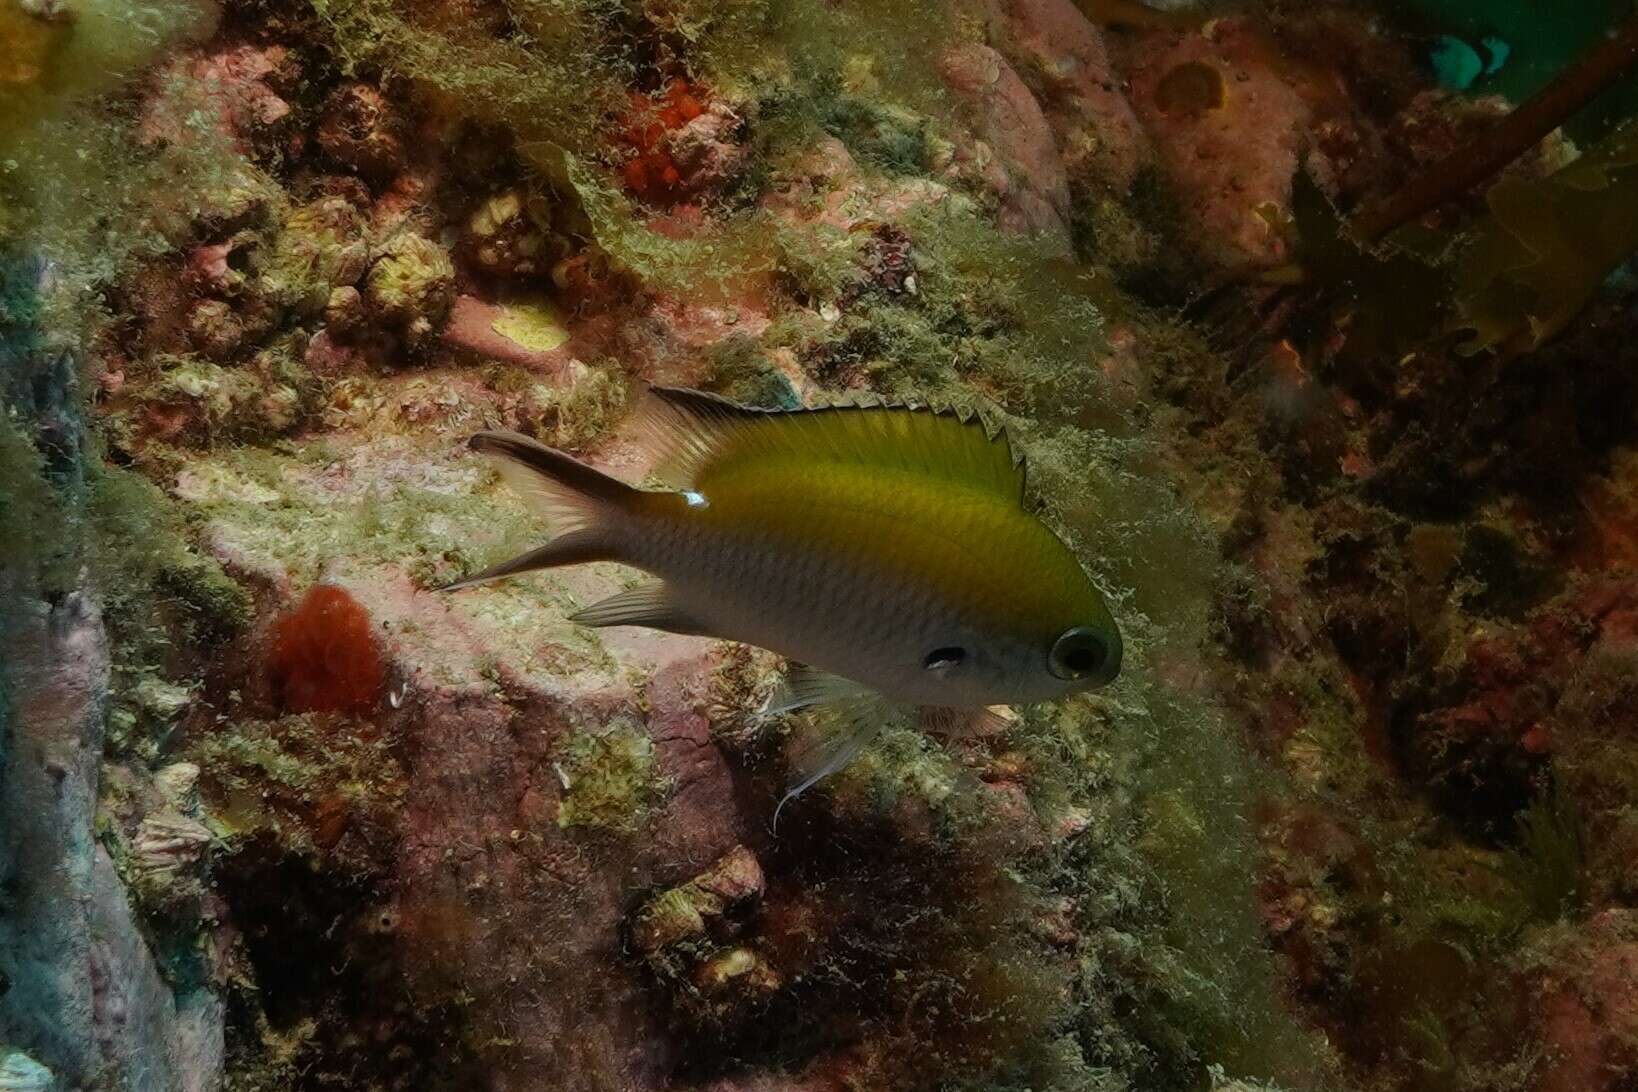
{"points": [[585, 506]]}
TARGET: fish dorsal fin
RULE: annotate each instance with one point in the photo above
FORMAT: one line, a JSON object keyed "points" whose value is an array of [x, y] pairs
{"points": [[695, 434]]}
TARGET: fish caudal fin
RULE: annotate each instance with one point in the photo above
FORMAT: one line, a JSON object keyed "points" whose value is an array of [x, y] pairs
{"points": [[583, 505]]}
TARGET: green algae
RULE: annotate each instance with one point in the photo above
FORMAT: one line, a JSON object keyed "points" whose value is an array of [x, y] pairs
{"points": [[533, 324], [157, 592], [574, 416], [611, 779], [80, 187], [559, 77], [28, 501], [298, 783]]}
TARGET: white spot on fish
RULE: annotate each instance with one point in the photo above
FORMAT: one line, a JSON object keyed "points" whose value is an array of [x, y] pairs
{"points": [[695, 500], [396, 697]]}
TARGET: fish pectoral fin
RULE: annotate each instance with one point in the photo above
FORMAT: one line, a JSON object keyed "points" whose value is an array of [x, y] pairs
{"points": [[804, 686], [648, 604], [839, 733]]}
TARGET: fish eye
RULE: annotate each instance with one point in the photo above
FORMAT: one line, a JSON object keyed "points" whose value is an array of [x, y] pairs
{"points": [[942, 659], [1079, 652]]}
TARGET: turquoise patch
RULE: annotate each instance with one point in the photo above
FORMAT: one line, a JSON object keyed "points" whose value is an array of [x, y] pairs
{"points": [[1455, 63]]}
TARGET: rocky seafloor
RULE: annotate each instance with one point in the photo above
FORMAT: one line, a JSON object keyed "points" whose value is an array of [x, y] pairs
{"points": [[1361, 812]]}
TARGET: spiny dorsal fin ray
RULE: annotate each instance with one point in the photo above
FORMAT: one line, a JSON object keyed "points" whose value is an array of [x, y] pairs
{"points": [[694, 433]]}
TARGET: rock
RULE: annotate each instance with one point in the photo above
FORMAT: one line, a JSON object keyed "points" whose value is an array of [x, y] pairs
{"points": [[1025, 173], [1587, 1009], [1227, 126], [1058, 51], [232, 89], [84, 993], [509, 716]]}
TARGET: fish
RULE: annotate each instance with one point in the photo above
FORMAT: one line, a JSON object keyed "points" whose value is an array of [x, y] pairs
{"points": [[885, 549]]}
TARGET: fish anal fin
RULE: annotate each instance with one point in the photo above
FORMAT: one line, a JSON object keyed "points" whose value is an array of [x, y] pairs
{"points": [[648, 604]]}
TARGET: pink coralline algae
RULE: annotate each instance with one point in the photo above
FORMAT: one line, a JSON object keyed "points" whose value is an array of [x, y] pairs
{"points": [[239, 90]]}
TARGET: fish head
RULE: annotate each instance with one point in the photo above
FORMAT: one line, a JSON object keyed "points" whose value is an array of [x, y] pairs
{"points": [[1052, 637], [1076, 650]]}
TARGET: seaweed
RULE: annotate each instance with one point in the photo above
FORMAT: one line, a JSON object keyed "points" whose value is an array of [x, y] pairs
{"points": [[1547, 246]]}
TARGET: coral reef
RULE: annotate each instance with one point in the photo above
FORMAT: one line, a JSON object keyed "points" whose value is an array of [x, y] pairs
{"points": [[1360, 813]]}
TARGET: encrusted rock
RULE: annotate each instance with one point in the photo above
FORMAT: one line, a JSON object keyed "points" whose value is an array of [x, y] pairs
{"points": [[412, 284], [735, 878], [706, 151], [178, 786], [210, 267], [236, 90], [686, 911], [670, 917], [738, 969], [344, 311], [215, 330], [361, 129], [321, 245]]}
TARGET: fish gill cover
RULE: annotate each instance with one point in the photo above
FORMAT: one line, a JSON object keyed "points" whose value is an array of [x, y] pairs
{"points": [[1357, 814]]}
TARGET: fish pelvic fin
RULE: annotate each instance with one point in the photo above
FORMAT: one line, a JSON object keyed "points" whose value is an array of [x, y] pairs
{"points": [[648, 604], [583, 505], [804, 686], [840, 732]]}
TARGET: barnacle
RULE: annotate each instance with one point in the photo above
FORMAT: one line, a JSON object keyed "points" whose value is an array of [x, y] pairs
{"points": [[412, 283]]}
